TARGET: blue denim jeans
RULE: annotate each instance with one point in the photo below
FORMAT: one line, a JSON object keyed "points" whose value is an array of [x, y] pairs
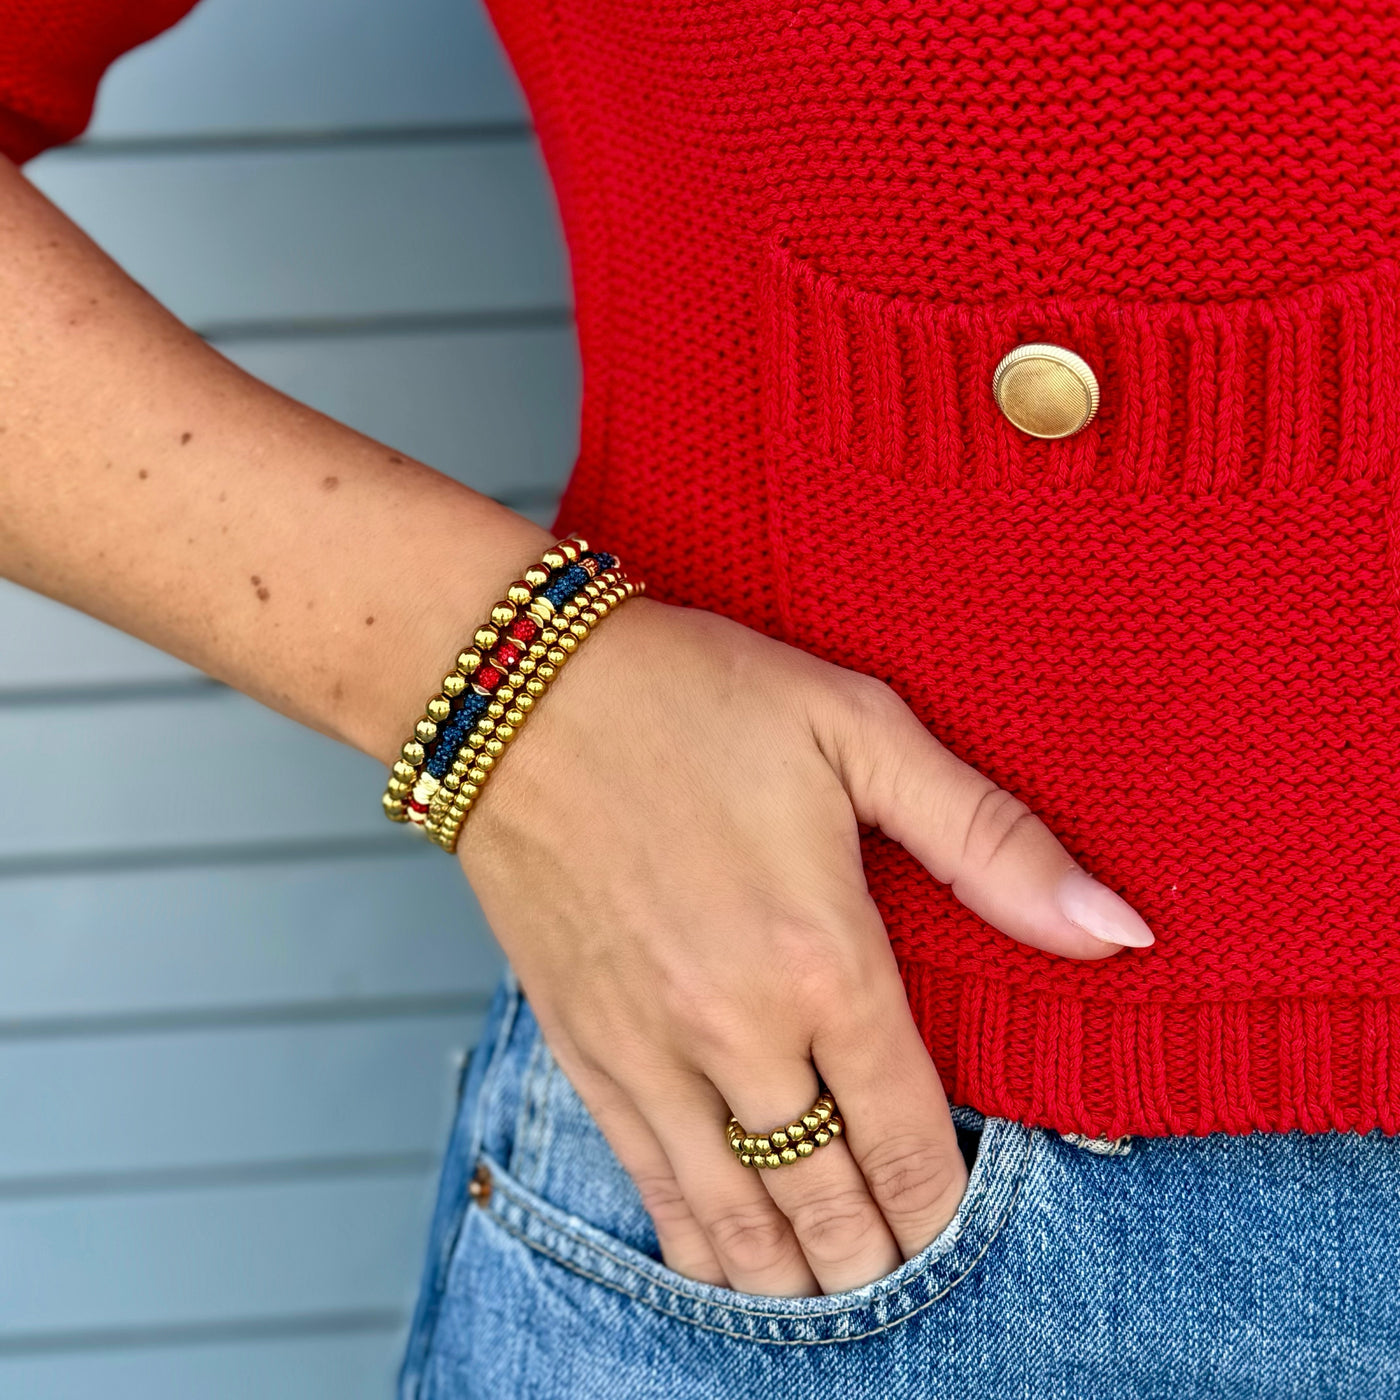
{"points": [[1265, 1265]]}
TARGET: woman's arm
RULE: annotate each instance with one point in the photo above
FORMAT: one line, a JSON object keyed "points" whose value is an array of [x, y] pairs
{"points": [[147, 480], [670, 854]]}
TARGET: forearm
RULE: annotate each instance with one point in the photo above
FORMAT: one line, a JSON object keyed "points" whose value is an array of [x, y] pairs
{"points": [[148, 481]]}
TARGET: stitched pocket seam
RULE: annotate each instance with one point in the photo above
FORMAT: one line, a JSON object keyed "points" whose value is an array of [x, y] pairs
{"points": [[555, 1228]]}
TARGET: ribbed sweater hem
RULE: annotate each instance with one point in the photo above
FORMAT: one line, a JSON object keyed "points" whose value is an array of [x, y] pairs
{"points": [[1158, 1068]]}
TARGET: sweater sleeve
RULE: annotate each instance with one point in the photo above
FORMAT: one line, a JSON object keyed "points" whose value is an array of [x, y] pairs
{"points": [[53, 54]]}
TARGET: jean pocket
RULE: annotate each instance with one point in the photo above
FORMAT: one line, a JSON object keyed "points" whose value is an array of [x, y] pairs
{"points": [[549, 1181]]}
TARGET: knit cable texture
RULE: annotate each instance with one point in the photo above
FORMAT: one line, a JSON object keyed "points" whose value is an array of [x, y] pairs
{"points": [[802, 235]]}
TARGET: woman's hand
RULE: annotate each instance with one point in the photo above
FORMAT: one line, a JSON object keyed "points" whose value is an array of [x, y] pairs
{"points": [[669, 857]]}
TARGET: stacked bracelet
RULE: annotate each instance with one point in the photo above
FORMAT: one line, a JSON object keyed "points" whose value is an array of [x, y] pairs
{"points": [[496, 682]]}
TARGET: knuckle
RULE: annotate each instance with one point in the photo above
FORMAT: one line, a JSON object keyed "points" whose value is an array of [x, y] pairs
{"points": [[996, 820], [910, 1180], [814, 963], [662, 1198], [753, 1236], [833, 1227]]}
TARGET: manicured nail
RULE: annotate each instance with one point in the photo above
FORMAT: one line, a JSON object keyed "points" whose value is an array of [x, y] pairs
{"points": [[1100, 912]]}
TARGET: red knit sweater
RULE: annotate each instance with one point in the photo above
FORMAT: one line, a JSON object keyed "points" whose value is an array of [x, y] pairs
{"points": [[802, 236]]}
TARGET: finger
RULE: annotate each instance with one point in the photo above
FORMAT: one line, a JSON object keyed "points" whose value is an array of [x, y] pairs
{"points": [[684, 1241], [835, 1218], [1000, 859], [897, 1127], [750, 1236]]}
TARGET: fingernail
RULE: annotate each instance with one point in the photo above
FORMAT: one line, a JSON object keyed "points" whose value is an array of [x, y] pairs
{"points": [[1100, 912]]}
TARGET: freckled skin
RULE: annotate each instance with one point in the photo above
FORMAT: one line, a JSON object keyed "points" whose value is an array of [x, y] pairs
{"points": [[184, 438], [369, 622], [330, 483], [263, 595], [143, 473]]}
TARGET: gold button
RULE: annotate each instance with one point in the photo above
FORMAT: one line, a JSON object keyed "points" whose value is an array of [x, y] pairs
{"points": [[1046, 390]]}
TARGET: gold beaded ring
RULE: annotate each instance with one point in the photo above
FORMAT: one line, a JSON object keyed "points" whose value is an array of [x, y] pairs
{"points": [[790, 1143], [504, 717]]}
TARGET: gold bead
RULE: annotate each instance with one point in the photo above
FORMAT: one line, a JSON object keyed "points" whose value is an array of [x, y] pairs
{"points": [[485, 724], [553, 559], [805, 1149], [535, 576], [486, 638], [821, 1137], [452, 782], [547, 671], [524, 702], [439, 707], [477, 775], [822, 1108], [558, 655], [535, 687], [519, 593], [527, 666], [569, 642], [834, 1127], [502, 614], [413, 753], [589, 617], [468, 661], [750, 1144], [761, 1144], [516, 680], [477, 738], [780, 1138], [538, 649], [772, 1160], [505, 732], [797, 1131], [391, 804], [405, 770], [514, 716], [811, 1121], [494, 749], [470, 790], [580, 629], [398, 787], [569, 549], [746, 1159], [494, 711], [454, 684], [426, 730], [788, 1154]]}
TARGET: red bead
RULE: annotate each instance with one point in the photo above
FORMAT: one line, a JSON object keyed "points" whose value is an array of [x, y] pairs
{"points": [[507, 653], [487, 677], [418, 806], [523, 629], [589, 565]]}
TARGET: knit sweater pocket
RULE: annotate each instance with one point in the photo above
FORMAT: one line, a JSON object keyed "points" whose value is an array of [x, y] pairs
{"points": [[1173, 634]]}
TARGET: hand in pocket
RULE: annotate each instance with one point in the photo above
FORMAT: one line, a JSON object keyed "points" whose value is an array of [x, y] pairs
{"points": [[670, 859]]}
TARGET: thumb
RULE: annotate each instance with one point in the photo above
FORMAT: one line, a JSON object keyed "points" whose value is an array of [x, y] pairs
{"points": [[999, 858]]}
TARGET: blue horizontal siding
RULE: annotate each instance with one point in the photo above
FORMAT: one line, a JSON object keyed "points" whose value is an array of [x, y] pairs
{"points": [[229, 1037]]}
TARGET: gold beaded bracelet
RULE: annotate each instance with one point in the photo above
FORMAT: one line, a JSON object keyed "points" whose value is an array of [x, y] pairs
{"points": [[533, 636], [516, 696], [521, 601], [475, 761]]}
